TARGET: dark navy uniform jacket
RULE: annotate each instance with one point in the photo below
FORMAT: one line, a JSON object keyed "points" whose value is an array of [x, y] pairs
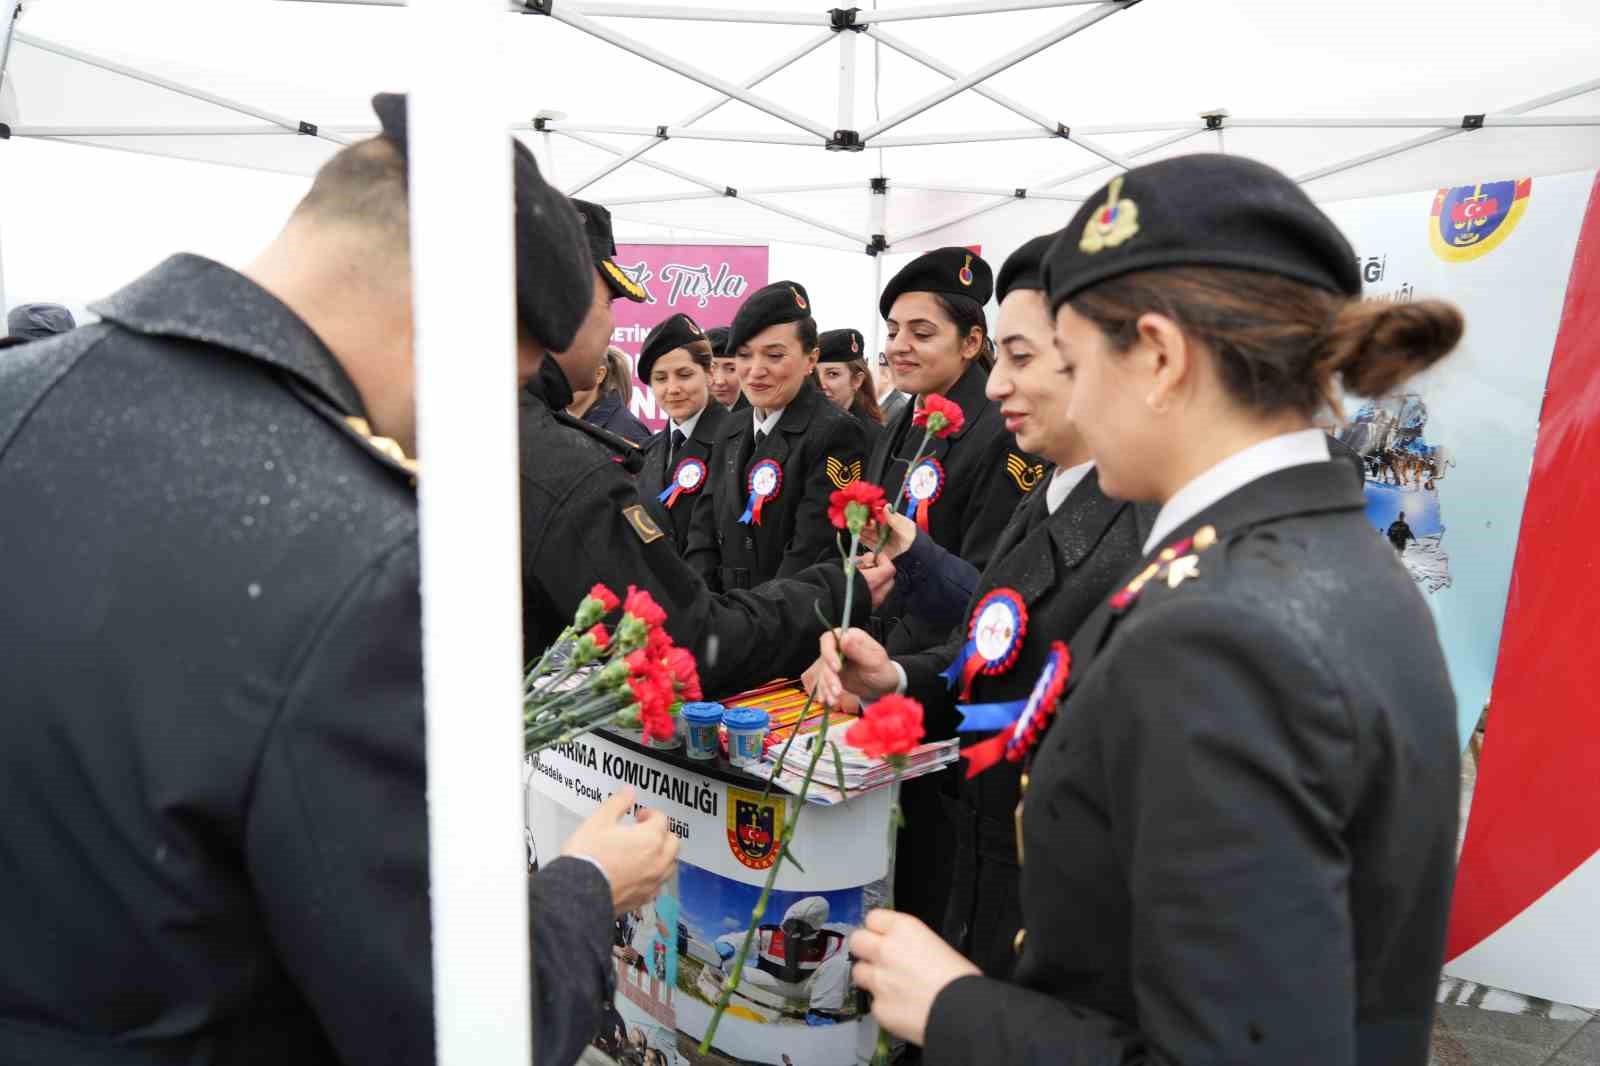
{"points": [[583, 522], [819, 448], [985, 477], [1062, 566], [656, 474], [1239, 831], [214, 839]]}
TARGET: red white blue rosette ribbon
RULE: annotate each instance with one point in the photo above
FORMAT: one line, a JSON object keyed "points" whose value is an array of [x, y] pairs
{"points": [[687, 478], [766, 477], [994, 639], [1021, 722], [924, 485]]}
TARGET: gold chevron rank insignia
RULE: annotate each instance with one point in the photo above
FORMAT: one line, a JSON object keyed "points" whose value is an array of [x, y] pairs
{"points": [[842, 473], [1025, 474]]}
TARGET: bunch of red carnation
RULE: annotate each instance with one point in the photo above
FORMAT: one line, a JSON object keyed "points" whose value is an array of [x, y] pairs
{"points": [[631, 674]]}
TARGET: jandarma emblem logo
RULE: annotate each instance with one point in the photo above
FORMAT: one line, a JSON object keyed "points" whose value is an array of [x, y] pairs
{"points": [[1470, 221]]}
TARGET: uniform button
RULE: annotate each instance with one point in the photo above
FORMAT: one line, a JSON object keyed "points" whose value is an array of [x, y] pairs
{"points": [[1016, 944], [749, 544]]}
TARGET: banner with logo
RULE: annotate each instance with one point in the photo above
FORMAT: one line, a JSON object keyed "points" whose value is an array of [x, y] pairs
{"points": [[707, 282], [796, 1003], [1448, 459]]}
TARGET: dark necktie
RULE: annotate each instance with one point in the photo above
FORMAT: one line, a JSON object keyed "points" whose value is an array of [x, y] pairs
{"points": [[677, 446]]}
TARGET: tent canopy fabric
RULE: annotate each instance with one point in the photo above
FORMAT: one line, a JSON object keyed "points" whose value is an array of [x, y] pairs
{"points": [[1076, 89]]}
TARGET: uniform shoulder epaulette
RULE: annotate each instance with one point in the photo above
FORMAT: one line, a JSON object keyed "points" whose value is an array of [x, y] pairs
{"points": [[1176, 563]]}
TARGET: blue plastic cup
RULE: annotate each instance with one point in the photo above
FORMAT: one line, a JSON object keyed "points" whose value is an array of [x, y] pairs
{"points": [[747, 728], [700, 721]]}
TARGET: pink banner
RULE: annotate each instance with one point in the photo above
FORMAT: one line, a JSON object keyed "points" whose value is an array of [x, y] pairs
{"points": [[707, 282]]}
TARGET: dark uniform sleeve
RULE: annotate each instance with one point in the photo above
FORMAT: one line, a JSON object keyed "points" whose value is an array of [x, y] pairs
{"points": [[337, 843], [1008, 476], [814, 536], [1227, 762], [937, 585], [739, 639]]}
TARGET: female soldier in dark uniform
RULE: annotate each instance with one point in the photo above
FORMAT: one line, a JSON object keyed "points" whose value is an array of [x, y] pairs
{"points": [[724, 371], [936, 331], [842, 376], [774, 467], [675, 362], [1238, 830], [1066, 547]]}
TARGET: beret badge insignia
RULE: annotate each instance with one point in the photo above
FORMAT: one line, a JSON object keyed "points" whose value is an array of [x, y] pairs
{"points": [[1112, 224]]}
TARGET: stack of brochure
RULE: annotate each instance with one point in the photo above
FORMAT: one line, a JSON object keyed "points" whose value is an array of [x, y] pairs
{"points": [[860, 773]]}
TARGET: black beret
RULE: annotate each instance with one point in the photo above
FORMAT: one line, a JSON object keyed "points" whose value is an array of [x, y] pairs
{"points": [[718, 336], [1024, 268], [555, 278], [950, 271], [841, 346], [772, 305], [676, 332], [603, 247], [32, 322], [1200, 210]]}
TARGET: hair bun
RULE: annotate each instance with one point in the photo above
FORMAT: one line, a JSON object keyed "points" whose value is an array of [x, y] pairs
{"points": [[1376, 347]]}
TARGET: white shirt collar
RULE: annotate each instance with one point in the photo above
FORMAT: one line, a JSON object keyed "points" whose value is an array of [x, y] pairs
{"points": [[768, 424], [1062, 482], [885, 397], [1235, 472], [687, 428]]}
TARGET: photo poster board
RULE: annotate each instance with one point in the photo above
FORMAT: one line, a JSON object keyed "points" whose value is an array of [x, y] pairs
{"points": [[707, 282], [1454, 449], [796, 1005]]}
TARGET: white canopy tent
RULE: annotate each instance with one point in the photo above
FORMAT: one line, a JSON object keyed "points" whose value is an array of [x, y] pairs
{"points": [[873, 133]]}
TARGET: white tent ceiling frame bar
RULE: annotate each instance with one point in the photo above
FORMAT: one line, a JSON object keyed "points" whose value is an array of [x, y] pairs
{"points": [[782, 63], [726, 190], [674, 132], [1461, 126], [310, 129], [1045, 123]]}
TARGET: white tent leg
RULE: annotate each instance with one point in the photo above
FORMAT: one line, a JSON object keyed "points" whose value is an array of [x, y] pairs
{"points": [[847, 81], [629, 155], [989, 70], [577, 21], [717, 187], [10, 11], [295, 125], [461, 243]]}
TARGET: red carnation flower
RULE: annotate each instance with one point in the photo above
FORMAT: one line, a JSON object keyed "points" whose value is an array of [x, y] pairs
{"points": [[608, 599], [862, 493], [888, 729], [939, 416], [643, 606], [658, 642], [685, 674], [600, 637], [657, 724]]}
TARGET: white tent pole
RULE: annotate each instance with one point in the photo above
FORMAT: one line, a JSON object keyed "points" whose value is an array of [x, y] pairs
{"points": [[663, 198], [296, 125], [157, 131], [847, 81], [678, 132], [726, 190], [878, 219], [972, 137], [461, 254], [562, 13], [705, 109], [1444, 134], [10, 11], [703, 194], [973, 7], [965, 216], [989, 70]]}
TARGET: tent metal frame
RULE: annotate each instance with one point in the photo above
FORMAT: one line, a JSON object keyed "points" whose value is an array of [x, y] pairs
{"points": [[477, 877], [845, 25]]}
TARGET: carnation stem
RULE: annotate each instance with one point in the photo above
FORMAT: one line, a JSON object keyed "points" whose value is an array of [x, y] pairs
{"points": [[731, 982], [880, 1053]]}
